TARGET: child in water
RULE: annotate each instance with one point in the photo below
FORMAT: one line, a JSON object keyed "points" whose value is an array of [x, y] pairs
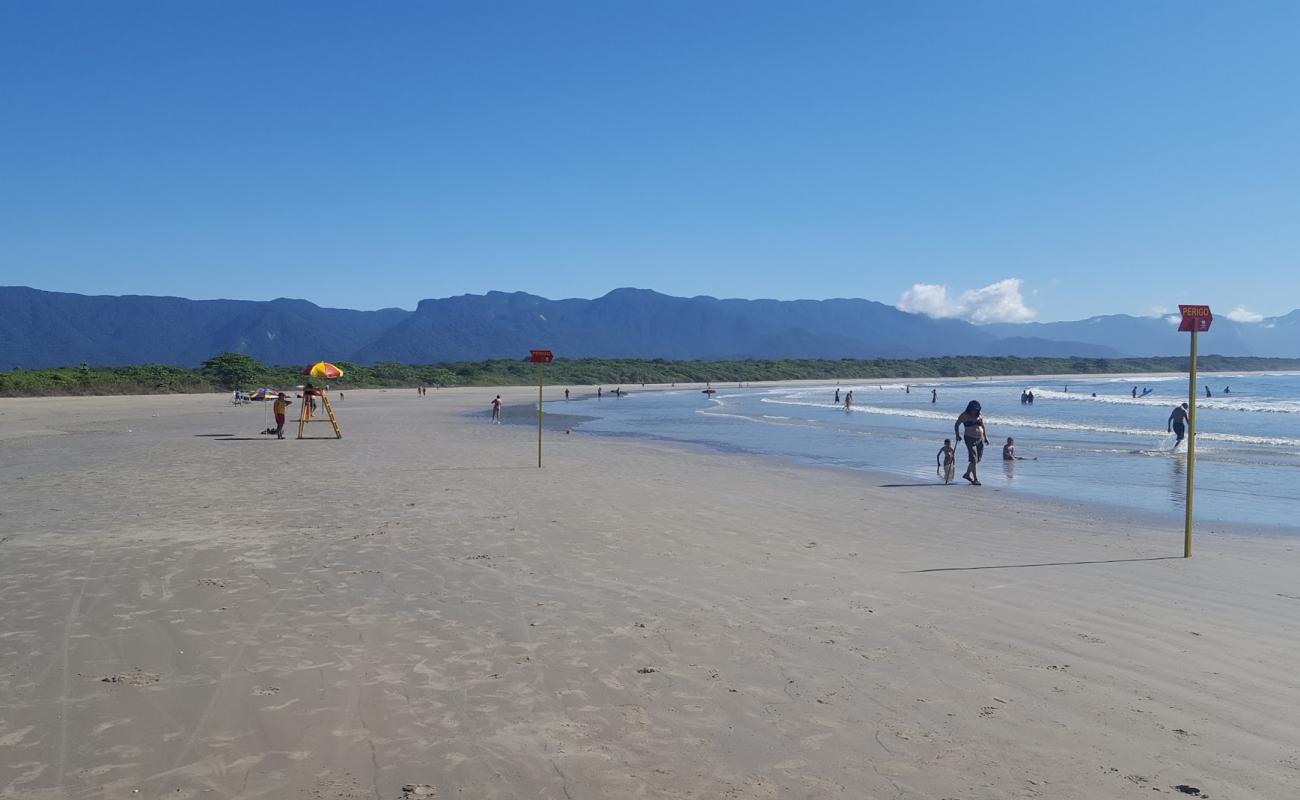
{"points": [[949, 458]]}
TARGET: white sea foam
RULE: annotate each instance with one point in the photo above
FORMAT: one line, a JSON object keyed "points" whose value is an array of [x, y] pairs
{"points": [[1010, 422], [1221, 404]]}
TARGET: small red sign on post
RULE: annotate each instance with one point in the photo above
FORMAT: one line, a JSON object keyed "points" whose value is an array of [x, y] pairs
{"points": [[541, 356], [1195, 318]]}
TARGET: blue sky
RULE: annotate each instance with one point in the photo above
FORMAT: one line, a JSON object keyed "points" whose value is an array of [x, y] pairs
{"points": [[1077, 158]]}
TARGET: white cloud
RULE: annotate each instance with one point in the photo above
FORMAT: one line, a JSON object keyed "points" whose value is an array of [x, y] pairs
{"points": [[997, 302], [1174, 319], [1241, 314]]}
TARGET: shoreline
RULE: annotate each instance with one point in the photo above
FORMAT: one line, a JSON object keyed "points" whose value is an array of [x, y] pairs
{"points": [[520, 414], [914, 379]]}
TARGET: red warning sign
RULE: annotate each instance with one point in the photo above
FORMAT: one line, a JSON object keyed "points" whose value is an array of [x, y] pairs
{"points": [[1195, 318]]}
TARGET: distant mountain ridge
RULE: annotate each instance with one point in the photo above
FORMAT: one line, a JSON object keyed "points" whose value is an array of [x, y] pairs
{"points": [[46, 329]]}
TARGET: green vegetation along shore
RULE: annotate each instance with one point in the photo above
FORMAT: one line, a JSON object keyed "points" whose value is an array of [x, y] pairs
{"points": [[232, 370]]}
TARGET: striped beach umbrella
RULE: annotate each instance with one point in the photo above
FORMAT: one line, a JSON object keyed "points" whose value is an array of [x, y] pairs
{"points": [[323, 369]]}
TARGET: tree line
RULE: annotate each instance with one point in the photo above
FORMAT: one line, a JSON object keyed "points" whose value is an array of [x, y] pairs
{"points": [[230, 371]]}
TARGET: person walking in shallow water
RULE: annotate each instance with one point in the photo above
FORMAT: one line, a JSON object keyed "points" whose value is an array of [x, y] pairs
{"points": [[496, 410], [975, 437], [1177, 423], [946, 460]]}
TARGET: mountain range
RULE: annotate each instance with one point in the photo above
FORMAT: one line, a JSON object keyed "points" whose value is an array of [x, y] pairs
{"points": [[41, 329]]}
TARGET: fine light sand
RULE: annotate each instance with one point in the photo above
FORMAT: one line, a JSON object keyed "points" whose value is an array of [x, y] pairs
{"points": [[191, 610]]}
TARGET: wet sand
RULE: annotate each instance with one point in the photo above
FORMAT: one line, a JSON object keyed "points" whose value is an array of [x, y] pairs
{"points": [[192, 609]]}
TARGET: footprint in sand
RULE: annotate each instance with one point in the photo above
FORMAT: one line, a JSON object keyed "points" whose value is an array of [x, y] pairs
{"points": [[1088, 637], [134, 677]]}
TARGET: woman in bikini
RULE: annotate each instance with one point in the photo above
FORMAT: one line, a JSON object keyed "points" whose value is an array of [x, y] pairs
{"points": [[975, 437]]}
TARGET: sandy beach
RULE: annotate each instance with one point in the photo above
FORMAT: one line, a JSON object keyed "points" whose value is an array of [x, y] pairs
{"points": [[194, 610]]}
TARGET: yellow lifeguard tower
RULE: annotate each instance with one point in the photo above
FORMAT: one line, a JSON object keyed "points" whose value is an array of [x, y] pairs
{"points": [[326, 371]]}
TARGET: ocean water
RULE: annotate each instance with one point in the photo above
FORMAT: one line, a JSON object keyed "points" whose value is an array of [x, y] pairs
{"points": [[1110, 449]]}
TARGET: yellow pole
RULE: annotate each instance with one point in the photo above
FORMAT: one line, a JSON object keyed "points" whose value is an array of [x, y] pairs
{"points": [[541, 378], [1191, 449]]}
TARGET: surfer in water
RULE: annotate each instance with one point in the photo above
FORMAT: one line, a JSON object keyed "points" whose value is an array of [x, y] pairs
{"points": [[1178, 423], [975, 437]]}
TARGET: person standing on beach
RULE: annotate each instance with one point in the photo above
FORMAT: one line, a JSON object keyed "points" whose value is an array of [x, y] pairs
{"points": [[280, 407], [975, 437], [496, 410], [948, 457], [309, 399], [599, 392], [1177, 423], [566, 395]]}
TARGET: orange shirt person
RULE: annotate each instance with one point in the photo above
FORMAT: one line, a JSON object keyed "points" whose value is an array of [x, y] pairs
{"points": [[280, 407]]}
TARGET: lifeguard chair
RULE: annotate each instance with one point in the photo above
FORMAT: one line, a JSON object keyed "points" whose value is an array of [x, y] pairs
{"points": [[326, 371]]}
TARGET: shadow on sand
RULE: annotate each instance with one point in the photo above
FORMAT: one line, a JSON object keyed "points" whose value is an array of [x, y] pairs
{"points": [[909, 485], [1049, 564]]}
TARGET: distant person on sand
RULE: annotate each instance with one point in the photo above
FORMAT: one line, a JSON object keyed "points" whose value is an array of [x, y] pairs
{"points": [[599, 392], [566, 395], [280, 407], [1177, 422], [496, 410], [975, 437], [945, 461]]}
